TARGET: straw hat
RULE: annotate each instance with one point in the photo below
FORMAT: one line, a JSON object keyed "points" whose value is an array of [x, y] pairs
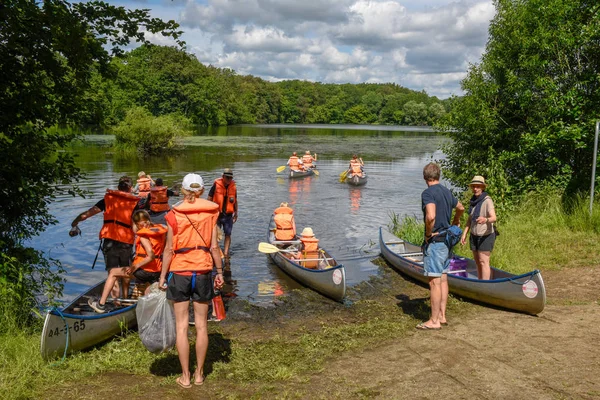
{"points": [[228, 172], [284, 204], [478, 180], [308, 232]]}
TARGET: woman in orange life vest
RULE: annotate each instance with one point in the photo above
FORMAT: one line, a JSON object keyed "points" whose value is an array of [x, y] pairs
{"points": [[143, 184], [116, 235], [295, 163], [284, 221], [159, 201], [149, 247], [190, 251], [308, 160], [356, 166], [310, 249]]}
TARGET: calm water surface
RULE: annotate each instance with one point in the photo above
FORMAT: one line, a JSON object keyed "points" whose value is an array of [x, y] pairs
{"points": [[345, 219]]}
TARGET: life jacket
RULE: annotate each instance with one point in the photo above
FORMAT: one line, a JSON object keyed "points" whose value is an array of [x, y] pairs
{"points": [[294, 164], [144, 186], [159, 201], [355, 167], [192, 225], [119, 207], [284, 220], [225, 197], [157, 235], [310, 251], [307, 159]]}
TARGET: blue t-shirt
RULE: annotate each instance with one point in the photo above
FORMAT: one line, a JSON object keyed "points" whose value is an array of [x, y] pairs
{"points": [[444, 202]]}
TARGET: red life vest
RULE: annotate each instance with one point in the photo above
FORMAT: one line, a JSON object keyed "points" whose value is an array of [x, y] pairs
{"points": [[225, 197], [118, 209], [294, 163], [284, 220], [157, 235], [159, 201], [144, 185], [310, 251], [192, 225]]}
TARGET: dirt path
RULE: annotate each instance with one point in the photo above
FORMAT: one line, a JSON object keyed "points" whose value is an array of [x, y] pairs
{"points": [[483, 354]]}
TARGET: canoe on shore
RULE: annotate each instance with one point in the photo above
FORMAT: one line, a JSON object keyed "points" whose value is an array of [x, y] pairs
{"points": [[78, 327], [356, 180], [330, 282], [301, 174], [525, 293]]}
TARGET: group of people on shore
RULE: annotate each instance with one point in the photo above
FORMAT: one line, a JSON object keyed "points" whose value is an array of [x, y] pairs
{"points": [[180, 254], [437, 204]]}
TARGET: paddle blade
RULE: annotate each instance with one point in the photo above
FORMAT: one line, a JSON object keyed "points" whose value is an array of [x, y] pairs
{"points": [[280, 169], [343, 176], [316, 172], [267, 248]]}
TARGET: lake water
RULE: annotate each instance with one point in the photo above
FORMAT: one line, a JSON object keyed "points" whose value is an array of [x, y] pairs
{"points": [[345, 219]]}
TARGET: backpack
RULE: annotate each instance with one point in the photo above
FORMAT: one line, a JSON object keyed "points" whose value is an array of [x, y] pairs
{"points": [[453, 235]]}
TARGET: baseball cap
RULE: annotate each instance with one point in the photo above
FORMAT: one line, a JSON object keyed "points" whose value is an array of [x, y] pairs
{"points": [[192, 182]]}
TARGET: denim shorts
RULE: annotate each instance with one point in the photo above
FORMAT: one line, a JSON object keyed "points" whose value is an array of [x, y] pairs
{"points": [[225, 221], [435, 259]]}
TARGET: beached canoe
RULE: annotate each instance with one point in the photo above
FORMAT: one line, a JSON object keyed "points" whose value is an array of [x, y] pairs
{"points": [[301, 174], [78, 327], [356, 180], [525, 293], [330, 282]]}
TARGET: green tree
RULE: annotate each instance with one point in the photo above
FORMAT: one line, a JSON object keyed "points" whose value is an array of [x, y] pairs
{"points": [[527, 118], [49, 51], [415, 113]]}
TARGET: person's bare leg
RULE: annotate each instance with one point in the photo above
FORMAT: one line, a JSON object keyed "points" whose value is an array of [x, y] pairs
{"points": [[125, 285], [444, 299], [182, 320], [112, 281], [200, 314], [226, 245], [435, 286], [478, 263], [484, 261]]}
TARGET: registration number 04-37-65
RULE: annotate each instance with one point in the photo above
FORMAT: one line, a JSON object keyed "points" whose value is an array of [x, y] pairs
{"points": [[76, 326]]}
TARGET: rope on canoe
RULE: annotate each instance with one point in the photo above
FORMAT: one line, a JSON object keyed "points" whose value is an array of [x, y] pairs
{"points": [[64, 357], [531, 274]]}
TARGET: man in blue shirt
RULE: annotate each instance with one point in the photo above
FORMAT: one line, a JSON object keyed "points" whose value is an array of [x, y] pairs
{"points": [[437, 203]]}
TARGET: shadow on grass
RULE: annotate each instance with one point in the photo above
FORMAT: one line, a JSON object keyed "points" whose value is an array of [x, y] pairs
{"points": [[219, 350], [416, 308]]}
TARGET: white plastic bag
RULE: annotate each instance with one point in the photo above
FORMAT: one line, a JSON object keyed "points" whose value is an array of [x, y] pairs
{"points": [[156, 320]]}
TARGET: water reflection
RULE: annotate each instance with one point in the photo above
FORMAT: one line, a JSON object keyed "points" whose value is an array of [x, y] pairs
{"points": [[346, 218]]}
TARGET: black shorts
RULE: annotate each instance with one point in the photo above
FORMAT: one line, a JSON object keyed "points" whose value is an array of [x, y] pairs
{"points": [[145, 276], [116, 254], [180, 288], [483, 243]]}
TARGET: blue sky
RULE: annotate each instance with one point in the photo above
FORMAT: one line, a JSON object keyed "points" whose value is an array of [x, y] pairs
{"points": [[423, 45]]}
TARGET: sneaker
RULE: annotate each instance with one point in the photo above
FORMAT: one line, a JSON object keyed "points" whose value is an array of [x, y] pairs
{"points": [[95, 304]]}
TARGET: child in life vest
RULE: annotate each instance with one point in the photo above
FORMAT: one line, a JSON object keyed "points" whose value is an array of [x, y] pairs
{"points": [[149, 247], [310, 249]]}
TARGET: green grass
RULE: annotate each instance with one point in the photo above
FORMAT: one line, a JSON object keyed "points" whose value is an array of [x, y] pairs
{"points": [[542, 233]]}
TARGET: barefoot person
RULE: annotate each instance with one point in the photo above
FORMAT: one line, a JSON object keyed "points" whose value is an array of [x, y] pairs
{"points": [[437, 203], [190, 251], [224, 193], [117, 237], [482, 216]]}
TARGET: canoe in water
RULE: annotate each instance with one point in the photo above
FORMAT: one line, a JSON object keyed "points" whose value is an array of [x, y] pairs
{"points": [[525, 293], [78, 327], [301, 174], [356, 180], [329, 281]]}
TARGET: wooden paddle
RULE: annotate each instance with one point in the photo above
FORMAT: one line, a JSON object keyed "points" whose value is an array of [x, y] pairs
{"points": [[316, 172], [280, 169], [343, 175], [268, 248]]}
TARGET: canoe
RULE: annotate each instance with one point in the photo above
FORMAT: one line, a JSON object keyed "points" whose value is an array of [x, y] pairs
{"points": [[330, 282], [525, 293], [301, 174], [356, 180], [85, 327]]}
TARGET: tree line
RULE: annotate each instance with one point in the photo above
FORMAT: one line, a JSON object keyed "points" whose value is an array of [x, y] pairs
{"points": [[168, 80]]}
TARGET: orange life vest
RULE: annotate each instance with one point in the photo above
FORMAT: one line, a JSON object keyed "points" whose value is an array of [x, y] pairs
{"points": [[284, 220], [144, 186], [311, 251], [156, 234], [307, 159], [118, 209], [355, 167], [225, 197], [294, 163], [192, 235], [159, 201]]}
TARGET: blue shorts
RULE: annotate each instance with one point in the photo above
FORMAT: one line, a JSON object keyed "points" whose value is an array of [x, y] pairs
{"points": [[435, 259], [225, 221]]}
